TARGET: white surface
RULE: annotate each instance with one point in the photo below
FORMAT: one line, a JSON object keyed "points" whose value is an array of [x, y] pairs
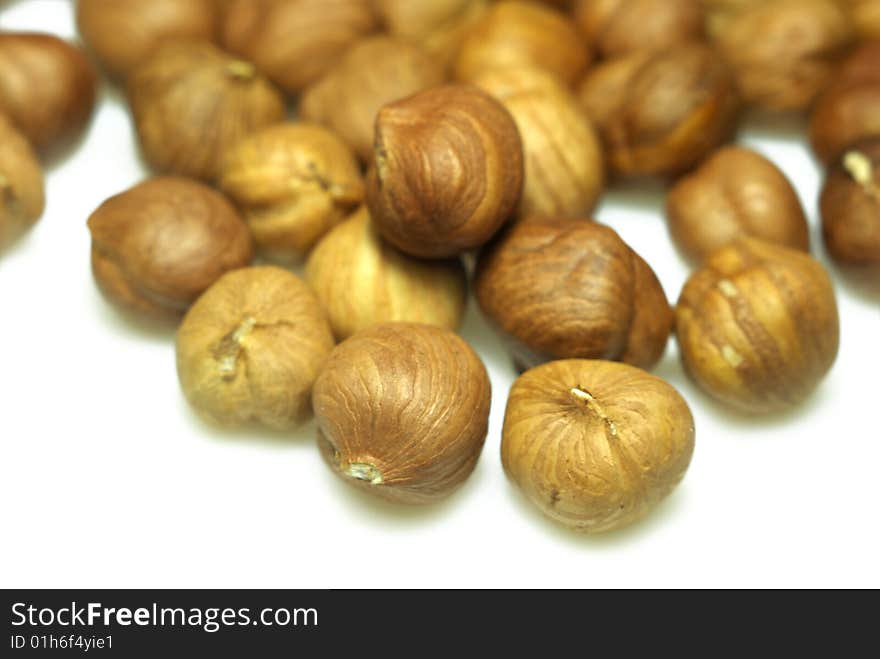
{"points": [[108, 480]]}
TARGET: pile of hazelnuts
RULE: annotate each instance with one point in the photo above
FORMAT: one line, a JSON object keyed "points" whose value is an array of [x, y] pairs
{"points": [[442, 146]]}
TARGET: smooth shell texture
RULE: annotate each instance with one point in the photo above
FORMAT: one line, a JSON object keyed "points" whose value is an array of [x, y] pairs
{"points": [[448, 171], [595, 445], [192, 103], [362, 281], [561, 289], [157, 246], [737, 192], [22, 192], [293, 182], [758, 326], [403, 411], [251, 348]]}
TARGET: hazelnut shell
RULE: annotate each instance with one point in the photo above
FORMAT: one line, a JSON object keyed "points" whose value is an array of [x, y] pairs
{"points": [[22, 193]]}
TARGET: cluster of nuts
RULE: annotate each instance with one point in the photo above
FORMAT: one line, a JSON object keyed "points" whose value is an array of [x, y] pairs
{"points": [[435, 134]]}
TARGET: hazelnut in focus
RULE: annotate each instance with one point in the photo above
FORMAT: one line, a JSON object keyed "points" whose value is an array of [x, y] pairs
{"points": [[403, 411], [192, 103], [293, 183], [757, 326], [250, 349], [595, 445], [159, 245], [564, 289], [447, 173], [22, 191], [736, 192]]}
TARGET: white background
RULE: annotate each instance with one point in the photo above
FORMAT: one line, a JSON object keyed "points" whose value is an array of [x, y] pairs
{"points": [[108, 480]]}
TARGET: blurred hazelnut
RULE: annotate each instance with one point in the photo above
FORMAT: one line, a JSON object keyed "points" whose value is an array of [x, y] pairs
{"points": [[403, 411], [373, 73], [758, 326], [865, 17], [737, 192], [293, 182], [251, 348], [564, 163], [193, 102], [159, 245], [22, 196], [595, 445], [47, 88], [559, 289], [448, 171], [362, 281]]}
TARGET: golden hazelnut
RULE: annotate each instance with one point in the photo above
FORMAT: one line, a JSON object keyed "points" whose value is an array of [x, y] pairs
{"points": [[564, 163], [736, 192], [403, 411], [362, 281], [373, 73], [660, 113], [250, 349], [192, 103], [560, 289], [157, 246], [521, 33], [851, 205], [294, 42], [448, 171], [124, 33], [293, 182], [758, 326], [22, 193], [47, 87], [595, 445]]}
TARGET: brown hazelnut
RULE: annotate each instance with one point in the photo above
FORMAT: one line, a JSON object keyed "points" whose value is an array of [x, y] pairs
{"points": [[293, 182], [362, 281], [295, 42], [660, 113], [520, 33], [850, 205], [595, 445], [758, 326], [403, 411], [783, 52], [250, 349], [157, 246], [737, 192], [564, 163], [616, 27], [47, 87], [559, 289], [124, 33], [373, 73], [22, 194], [192, 103], [448, 171]]}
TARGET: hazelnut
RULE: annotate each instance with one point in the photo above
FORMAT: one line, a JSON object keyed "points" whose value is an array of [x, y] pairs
{"points": [[850, 205], [123, 33], [595, 445], [660, 113], [293, 182], [448, 171], [250, 349], [737, 192], [616, 27], [783, 52], [517, 33], [373, 73], [159, 245], [758, 326], [564, 164], [865, 16], [295, 42], [47, 88], [362, 281], [403, 411], [559, 289], [22, 196], [193, 102]]}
